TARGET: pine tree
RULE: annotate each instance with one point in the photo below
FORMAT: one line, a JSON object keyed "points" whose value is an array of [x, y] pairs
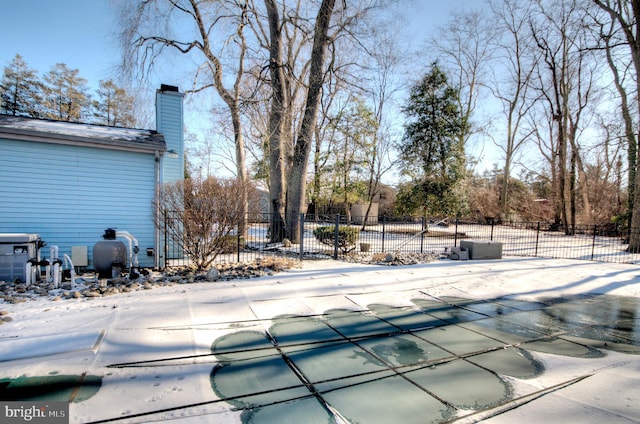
{"points": [[66, 97], [432, 152], [20, 89], [113, 107]]}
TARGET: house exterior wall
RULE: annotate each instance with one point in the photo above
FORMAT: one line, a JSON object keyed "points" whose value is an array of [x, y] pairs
{"points": [[70, 194]]}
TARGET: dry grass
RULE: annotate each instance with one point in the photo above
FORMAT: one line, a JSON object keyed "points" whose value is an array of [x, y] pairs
{"points": [[278, 263]]}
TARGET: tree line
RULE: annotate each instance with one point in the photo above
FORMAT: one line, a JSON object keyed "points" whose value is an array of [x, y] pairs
{"points": [[565, 77], [312, 93], [324, 100], [62, 94], [554, 85]]}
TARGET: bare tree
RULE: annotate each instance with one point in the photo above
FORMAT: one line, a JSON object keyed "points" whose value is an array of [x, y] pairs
{"points": [[618, 74], [465, 48], [292, 185], [625, 17], [325, 138], [516, 63], [565, 83], [202, 216], [297, 183], [277, 121], [365, 73], [206, 32], [385, 60]]}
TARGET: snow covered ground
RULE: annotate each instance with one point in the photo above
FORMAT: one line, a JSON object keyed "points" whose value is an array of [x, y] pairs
{"points": [[147, 356]]}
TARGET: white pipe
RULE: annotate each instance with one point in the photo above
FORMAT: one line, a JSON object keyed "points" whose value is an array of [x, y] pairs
{"points": [[51, 267], [53, 252], [67, 259], [27, 273], [57, 274], [133, 252]]}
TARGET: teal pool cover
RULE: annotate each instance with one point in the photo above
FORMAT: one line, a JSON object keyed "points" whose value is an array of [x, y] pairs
{"points": [[443, 359], [439, 360]]}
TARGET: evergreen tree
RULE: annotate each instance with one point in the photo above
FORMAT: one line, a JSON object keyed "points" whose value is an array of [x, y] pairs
{"points": [[432, 151], [65, 94], [20, 89], [113, 107]]}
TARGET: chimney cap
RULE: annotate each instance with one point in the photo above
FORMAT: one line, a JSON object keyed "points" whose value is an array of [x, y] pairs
{"points": [[166, 87]]}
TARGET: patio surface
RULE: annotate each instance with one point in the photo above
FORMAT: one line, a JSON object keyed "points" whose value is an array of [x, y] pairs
{"points": [[501, 341]]}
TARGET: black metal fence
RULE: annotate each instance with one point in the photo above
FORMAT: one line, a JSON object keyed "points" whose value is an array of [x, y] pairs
{"points": [[405, 235]]}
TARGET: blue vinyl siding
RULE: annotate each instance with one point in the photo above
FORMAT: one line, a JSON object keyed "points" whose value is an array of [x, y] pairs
{"points": [[71, 194], [169, 118]]}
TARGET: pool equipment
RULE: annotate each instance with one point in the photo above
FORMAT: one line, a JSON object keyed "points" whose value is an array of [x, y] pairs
{"points": [[110, 255]]}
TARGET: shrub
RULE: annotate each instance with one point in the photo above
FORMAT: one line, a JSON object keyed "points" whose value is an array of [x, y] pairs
{"points": [[201, 216], [347, 236]]}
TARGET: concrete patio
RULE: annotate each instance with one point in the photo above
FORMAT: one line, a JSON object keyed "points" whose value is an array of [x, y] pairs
{"points": [[511, 340]]}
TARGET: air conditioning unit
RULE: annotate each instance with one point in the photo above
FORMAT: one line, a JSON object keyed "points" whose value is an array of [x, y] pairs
{"points": [[15, 252]]}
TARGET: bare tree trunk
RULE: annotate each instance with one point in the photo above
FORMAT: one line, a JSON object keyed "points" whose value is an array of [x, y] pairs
{"points": [[315, 196], [562, 172], [241, 169], [276, 125], [372, 184], [572, 192], [584, 185], [629, 131], [297, 179]]}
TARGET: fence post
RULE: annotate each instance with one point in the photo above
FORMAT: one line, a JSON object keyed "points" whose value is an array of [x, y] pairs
{"points": [[535, 254], [238, 241], [455, 234], [422, 235], [492, 224], [335, 237], [384, 220], [301, 236], [166, 242], [593, 242]]}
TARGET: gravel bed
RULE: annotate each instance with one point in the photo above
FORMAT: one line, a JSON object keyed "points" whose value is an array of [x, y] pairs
{"points": [[89, 286]]}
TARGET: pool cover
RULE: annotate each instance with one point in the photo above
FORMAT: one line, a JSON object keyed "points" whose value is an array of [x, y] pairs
{"points": [[439, 360]]}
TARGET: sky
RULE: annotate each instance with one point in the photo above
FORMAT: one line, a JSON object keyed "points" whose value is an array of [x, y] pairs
{"points": [[78, 33], [82, 34]]}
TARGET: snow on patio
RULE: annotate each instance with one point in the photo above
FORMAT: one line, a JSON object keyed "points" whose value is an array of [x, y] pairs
{"points": [[511, 340]]}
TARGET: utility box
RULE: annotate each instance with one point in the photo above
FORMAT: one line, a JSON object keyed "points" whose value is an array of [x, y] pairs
{"points": [[79, 256], [15, 252], [459, 254], [482, 249]]}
